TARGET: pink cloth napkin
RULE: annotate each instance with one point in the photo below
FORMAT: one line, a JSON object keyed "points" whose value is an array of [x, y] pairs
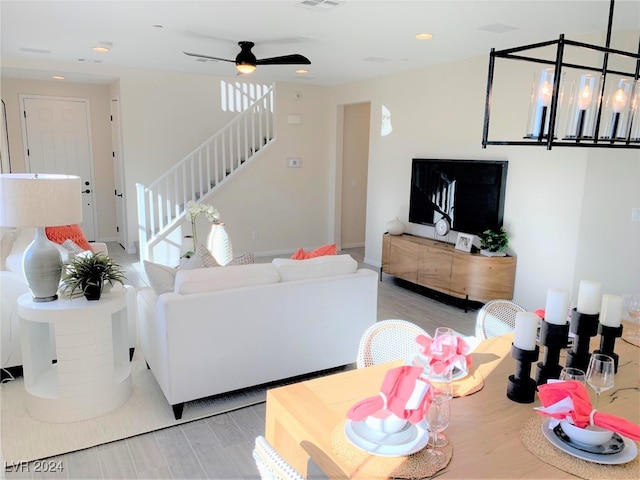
{"points": [[403, 393], [570, 399], [445, 352]]}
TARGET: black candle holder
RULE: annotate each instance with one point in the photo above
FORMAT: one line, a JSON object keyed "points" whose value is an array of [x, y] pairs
{"points": [[521, 387], [554, 338], [608, 337], [584, 326]]}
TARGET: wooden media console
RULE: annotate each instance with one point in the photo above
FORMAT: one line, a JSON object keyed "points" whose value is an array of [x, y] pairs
{"points": [[440, 267]]}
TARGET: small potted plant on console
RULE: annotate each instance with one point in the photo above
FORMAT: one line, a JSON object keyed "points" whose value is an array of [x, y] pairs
{"points": [[88, 273], [493, 243]]}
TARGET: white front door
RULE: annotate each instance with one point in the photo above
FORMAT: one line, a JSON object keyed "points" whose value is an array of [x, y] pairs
{"points": [[118, 171], [57, 140]]}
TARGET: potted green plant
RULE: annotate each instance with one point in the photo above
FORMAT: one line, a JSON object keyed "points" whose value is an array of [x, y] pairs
{"points": [[493, 243], [88, 273]]}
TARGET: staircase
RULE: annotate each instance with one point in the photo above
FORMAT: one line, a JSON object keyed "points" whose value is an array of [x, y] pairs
{"points": [[161, 204]]}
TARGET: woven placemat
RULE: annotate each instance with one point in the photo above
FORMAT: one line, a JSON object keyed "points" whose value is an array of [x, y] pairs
{"points": [[533, 439], [411, 467], [472, 383]]}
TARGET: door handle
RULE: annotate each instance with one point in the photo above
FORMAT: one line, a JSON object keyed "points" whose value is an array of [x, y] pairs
{"points": [[119, 195], [86, 191]]}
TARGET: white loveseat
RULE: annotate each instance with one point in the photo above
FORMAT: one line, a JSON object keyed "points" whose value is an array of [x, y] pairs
{"points": [[227, 328], [13, 284]]}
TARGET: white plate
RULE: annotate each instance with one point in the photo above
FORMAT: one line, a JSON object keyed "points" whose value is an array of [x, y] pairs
{"points": [[406, 435], [456, 375], [417, 441], [628, 454]]}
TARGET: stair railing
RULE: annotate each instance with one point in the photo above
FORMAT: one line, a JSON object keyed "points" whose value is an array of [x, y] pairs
{"points": [[162, 203]]}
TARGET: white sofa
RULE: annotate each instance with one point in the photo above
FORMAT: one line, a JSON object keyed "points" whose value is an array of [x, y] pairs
{"points": [[227, 328], [13, 284]]}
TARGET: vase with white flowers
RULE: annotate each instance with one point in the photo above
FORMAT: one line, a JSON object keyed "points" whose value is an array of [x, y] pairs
{"points": [[193, 210]]}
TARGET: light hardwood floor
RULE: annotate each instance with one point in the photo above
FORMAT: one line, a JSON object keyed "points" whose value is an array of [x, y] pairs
{"points": [[220, 447]]}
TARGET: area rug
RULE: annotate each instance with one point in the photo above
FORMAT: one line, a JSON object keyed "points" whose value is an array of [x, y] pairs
{"points": [[25, 439]]}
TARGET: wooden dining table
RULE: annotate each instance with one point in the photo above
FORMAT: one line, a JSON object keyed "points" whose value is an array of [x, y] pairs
{"points": [[484, 428]]}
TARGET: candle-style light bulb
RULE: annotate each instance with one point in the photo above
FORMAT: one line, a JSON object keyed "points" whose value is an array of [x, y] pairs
{"points": [[544, 95], [618, 101], [585, 97]]}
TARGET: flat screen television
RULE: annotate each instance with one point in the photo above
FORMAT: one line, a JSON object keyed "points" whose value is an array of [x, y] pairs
{"points": [[468, 193]]}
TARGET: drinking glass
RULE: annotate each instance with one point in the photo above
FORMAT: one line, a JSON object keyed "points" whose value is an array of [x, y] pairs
{"points": [[441, 331], [633, 309], [600, 374], [442, 382], [570, 373], [442, 388], [437, 419]]}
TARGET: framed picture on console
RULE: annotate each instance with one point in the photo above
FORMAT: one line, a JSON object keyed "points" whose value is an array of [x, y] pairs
{"points": [[464, 242]]}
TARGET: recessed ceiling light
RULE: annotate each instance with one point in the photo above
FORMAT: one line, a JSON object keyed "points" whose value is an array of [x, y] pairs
{"points": [[58, 77], [302, 71], [424, 36], [103, 47]]}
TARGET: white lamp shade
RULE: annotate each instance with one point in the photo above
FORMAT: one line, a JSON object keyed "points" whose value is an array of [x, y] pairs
{"points": [[39, 200]]}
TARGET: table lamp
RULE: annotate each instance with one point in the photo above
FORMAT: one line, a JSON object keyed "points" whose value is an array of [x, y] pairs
{"points": [[40, 200]]}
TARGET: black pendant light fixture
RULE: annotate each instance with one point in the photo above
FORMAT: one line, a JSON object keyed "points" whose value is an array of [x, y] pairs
{"points": [[600, 106]]}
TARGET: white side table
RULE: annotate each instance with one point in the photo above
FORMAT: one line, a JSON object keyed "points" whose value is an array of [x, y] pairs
{"points": [[92, 375]]}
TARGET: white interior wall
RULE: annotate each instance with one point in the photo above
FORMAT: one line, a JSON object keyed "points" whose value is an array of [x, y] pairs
{"points": [[438, 112], [270, 208], [98, 96], [558, 224]]}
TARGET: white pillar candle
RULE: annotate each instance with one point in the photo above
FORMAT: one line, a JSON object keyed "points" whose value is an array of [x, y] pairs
{"points": [[589, 297], [526, 330], [611, 310], [557, 306]]}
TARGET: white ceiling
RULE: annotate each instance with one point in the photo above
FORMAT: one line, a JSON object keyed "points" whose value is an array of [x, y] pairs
{"points": [[356, 40]]}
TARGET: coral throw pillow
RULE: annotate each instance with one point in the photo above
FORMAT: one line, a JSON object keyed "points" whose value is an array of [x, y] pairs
{"points": [[318, 252], [68, 232]]}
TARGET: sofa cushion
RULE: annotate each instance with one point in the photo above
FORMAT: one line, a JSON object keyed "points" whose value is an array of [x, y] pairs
{"points": [[235, 276], [244, 259], [301, 254], [161, 277], [73, 247], [205, 256], [68, 232], [318, 267]]}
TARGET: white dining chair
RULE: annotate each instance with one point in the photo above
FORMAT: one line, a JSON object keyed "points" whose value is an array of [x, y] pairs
{"points": [[496, 318], [271, 465], [388, 340]]}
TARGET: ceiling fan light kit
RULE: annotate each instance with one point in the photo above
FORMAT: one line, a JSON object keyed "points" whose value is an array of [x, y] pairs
{"points": [[602, 108], [246, 61]]}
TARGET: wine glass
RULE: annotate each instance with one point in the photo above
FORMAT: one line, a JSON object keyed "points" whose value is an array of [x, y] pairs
{"points": [[570, 373], [441, 331], [600, 374], [442, 388], [633, 309], [437, 419]]}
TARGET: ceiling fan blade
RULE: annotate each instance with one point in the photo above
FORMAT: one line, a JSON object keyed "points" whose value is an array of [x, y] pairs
{"points": [[209, 57], [285, 60]]}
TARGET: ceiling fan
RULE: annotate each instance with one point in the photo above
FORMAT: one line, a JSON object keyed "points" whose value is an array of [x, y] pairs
{"points": [[246, 61]]}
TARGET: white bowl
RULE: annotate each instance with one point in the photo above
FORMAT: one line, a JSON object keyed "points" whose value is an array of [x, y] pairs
{"points": [[384, 421], [590, 435]]}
